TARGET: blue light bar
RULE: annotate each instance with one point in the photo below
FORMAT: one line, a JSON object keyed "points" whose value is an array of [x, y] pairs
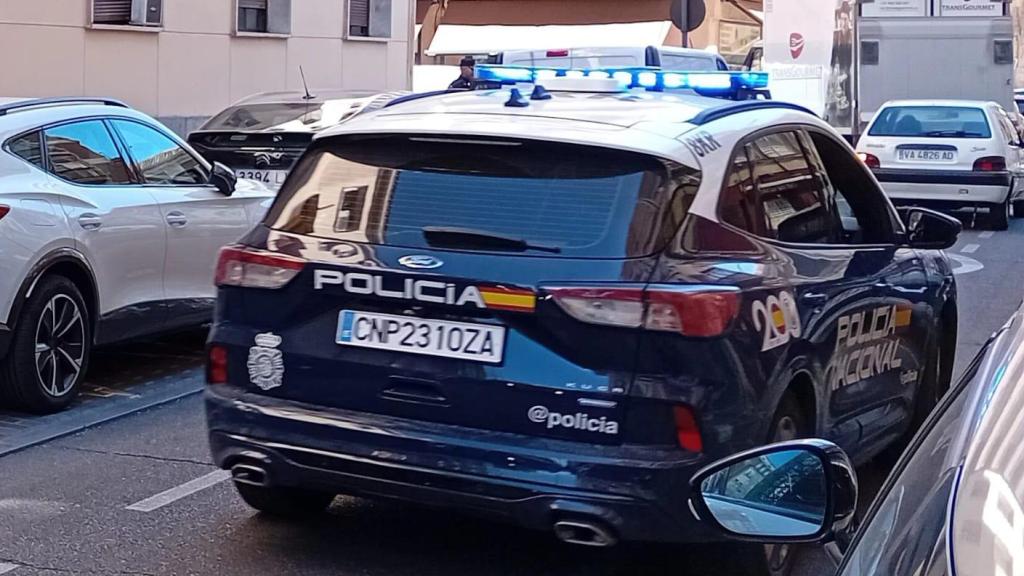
{"points": [[723, 84]]}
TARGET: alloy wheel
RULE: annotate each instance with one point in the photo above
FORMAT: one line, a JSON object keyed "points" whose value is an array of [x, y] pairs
{"points": [[59, 345]]}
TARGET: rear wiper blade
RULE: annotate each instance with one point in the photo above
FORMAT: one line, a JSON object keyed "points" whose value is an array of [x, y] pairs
{"points": [[444, 236]]}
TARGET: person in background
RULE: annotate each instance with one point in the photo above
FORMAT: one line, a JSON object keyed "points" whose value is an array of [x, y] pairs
{"points": [[465, 80]]}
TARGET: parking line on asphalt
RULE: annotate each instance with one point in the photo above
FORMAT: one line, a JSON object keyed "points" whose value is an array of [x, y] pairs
{"points": [[970, 248], [5, 568], [178, 492], [986, 234]]}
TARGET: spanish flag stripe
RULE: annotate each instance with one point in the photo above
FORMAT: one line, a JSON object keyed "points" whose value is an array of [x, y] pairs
{"points": [[778, 318], [903, 317], [510, 308], [508, 299]]}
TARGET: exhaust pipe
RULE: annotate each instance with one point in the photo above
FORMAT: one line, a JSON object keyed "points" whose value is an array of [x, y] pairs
{"points": [[584, 533], [249, 474]]}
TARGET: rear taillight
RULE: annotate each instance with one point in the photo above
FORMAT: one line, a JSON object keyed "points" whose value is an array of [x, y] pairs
{"points": [[690, 310], [687, 430], [557, 53], [252, 268], [217, 365], [990, 164], [869, 160], [4, 210]]}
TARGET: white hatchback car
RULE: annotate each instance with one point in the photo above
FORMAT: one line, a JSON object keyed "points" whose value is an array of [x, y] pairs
{"points": [[109, 230], [947, 154]]}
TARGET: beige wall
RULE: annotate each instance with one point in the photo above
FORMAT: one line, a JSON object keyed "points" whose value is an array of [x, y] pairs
{"points": [[194, 65]]}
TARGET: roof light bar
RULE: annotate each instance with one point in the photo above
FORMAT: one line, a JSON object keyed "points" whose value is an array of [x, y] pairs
{"points": [[727, 84]]}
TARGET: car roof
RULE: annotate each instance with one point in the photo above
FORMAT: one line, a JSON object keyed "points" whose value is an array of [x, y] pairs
{"points": [[964, 103], [49, 112], [299, 96], [647, 122]]}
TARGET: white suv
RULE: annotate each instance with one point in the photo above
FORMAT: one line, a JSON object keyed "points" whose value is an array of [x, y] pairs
{"points": [[109, 230], [947, 154]]}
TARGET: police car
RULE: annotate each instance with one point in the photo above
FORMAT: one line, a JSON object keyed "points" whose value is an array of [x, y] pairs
{"points": [[554, 302]]}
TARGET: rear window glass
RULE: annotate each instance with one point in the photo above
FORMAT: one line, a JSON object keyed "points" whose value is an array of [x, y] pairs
{"points": [[688, 63], [932, 122], [607, 61], [280, 116], [562, 200]]}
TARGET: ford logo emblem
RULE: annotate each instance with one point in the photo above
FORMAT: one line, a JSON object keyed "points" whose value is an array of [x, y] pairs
{"points": [[420, 261]]}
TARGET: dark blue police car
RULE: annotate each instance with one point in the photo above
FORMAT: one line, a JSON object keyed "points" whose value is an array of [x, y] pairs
{"points": [[555, 308]]}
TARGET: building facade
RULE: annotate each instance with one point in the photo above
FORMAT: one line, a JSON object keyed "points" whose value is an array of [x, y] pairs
{"points": [[730, 27], [184, 60]]}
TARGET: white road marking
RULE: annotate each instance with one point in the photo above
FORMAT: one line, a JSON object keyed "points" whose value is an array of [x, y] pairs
{"points": [[966, 264], [5, 568], [178, 492], [986, 234], [970, 248]]}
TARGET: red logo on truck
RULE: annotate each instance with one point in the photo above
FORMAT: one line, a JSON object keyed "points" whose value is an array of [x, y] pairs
{"points": [[796, 45]]}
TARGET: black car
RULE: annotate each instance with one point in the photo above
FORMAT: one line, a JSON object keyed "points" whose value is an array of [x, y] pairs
{"points": [[556, 308], [260, 137], [952, 505]]}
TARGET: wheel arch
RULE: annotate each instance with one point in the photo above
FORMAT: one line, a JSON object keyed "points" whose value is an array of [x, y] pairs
{"points": [[66, 262], [801, 385]]}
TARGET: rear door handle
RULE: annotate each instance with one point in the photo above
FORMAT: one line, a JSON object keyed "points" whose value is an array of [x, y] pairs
{"points": [[90, 221], [177, 220]]}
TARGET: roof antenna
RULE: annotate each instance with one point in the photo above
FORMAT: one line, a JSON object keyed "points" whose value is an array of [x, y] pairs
{"points": [[305, 86]]}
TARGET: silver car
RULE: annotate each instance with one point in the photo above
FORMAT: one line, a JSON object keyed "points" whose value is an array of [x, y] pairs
{"points": [[109, 230]]}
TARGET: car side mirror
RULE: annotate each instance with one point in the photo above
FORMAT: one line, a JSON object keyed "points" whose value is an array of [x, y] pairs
{"points": [[796, 491], [929, 229], [223, 179]]}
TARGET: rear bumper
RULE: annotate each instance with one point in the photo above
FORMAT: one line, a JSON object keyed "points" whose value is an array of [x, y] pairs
{"points": [[639, 493], [951, 188]]}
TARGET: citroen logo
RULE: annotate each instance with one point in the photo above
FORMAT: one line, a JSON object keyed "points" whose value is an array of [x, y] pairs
{"points": [[264, 159], [420, 261]]}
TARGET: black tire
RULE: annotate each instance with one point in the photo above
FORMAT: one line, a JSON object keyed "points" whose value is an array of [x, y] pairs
{"points": [[44, 368], [1018, 208], [284, 502], [999, 215], [788, 423]]}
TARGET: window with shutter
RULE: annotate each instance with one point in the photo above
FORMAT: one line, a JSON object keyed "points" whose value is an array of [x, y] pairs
{"points": [[111, 11], [127, 12], [359, 17], [252, 15], [265, 16]]}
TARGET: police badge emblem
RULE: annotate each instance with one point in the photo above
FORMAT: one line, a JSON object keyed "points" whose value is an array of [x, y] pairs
{"points": [[266, 363]]}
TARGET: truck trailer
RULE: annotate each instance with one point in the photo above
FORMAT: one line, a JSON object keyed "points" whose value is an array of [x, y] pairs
{"points": [[843, 59]]}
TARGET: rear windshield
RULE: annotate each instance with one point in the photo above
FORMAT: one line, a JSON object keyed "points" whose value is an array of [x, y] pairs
{"points": [[688, 63], [262, 116], [606, 61], [932, 122], [281, 116], [561, 200]]}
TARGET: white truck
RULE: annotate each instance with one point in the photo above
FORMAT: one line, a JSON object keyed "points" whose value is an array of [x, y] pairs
{"points": [[844, 58]]}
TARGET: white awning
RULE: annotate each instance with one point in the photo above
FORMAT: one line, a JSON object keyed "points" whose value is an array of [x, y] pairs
{"points": [[466, 39]]}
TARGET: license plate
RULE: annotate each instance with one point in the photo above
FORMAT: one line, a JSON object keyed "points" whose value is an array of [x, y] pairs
{"points": [[462, 340], [265, 176], [916, 155]]}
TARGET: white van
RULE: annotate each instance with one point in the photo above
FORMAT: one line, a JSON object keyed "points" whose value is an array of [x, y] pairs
{"points": [[664, 57]]}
